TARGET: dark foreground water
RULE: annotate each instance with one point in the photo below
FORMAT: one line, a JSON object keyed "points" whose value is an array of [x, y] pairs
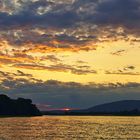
{"points": [[70, 128]]}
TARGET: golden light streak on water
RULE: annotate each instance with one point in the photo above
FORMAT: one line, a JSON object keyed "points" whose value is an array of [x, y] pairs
{"points": [[70, 128]]}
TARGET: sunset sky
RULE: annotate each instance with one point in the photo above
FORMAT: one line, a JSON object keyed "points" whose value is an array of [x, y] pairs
{"points": [[70, 53]]}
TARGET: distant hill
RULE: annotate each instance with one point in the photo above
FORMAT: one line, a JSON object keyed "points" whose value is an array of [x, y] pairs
{"points": [[123, 108], [118, 106], [18, 107]]}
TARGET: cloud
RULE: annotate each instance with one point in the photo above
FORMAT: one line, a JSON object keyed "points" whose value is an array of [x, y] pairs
{"points": [[81, 62], [77, 25], [31, 29], [17, 57], [51, 58], [118, 53], [122, 73], [18, 73], [58, 94], [61, 94], [115, 13], [127, 70], [29, 16], [60, 67]]}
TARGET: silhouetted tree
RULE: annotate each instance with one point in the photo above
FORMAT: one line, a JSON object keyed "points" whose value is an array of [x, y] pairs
{"points": [[19, 107]]}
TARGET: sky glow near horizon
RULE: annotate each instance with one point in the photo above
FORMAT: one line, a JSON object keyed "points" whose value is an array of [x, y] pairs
{"points": [[59, 47]]}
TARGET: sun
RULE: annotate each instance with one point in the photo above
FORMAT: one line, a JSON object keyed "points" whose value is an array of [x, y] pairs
{"points": [[66, 109]]}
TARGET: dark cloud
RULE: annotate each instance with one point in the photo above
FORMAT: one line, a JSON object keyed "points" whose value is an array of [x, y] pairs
{"points": [[75, 22], [118, 12], [29, 17], [70, 94], [22, 38], [64, 94]]}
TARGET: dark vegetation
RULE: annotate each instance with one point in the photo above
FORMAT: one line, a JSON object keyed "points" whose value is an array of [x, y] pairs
{"points": [[18, 107]]}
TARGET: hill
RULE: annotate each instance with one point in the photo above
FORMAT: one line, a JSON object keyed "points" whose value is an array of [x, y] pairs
{"points": [[123, 108], [17, 107], [118, 106]]}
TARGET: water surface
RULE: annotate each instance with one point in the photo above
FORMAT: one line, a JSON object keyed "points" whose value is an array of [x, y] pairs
{"points": [[70, 128]]}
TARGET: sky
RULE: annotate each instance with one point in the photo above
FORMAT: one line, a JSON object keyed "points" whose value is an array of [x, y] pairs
{"points": [[70, 53]]}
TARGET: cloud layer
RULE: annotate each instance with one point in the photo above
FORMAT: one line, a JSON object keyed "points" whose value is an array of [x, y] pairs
{"points": [[59, 94], [66, 25]]}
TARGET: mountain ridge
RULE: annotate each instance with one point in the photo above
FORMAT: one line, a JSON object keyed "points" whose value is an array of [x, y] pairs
{"points": [[116, 106], [122, 108]]}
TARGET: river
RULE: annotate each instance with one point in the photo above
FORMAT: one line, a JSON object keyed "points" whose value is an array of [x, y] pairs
{"points": [[70, 128]]}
